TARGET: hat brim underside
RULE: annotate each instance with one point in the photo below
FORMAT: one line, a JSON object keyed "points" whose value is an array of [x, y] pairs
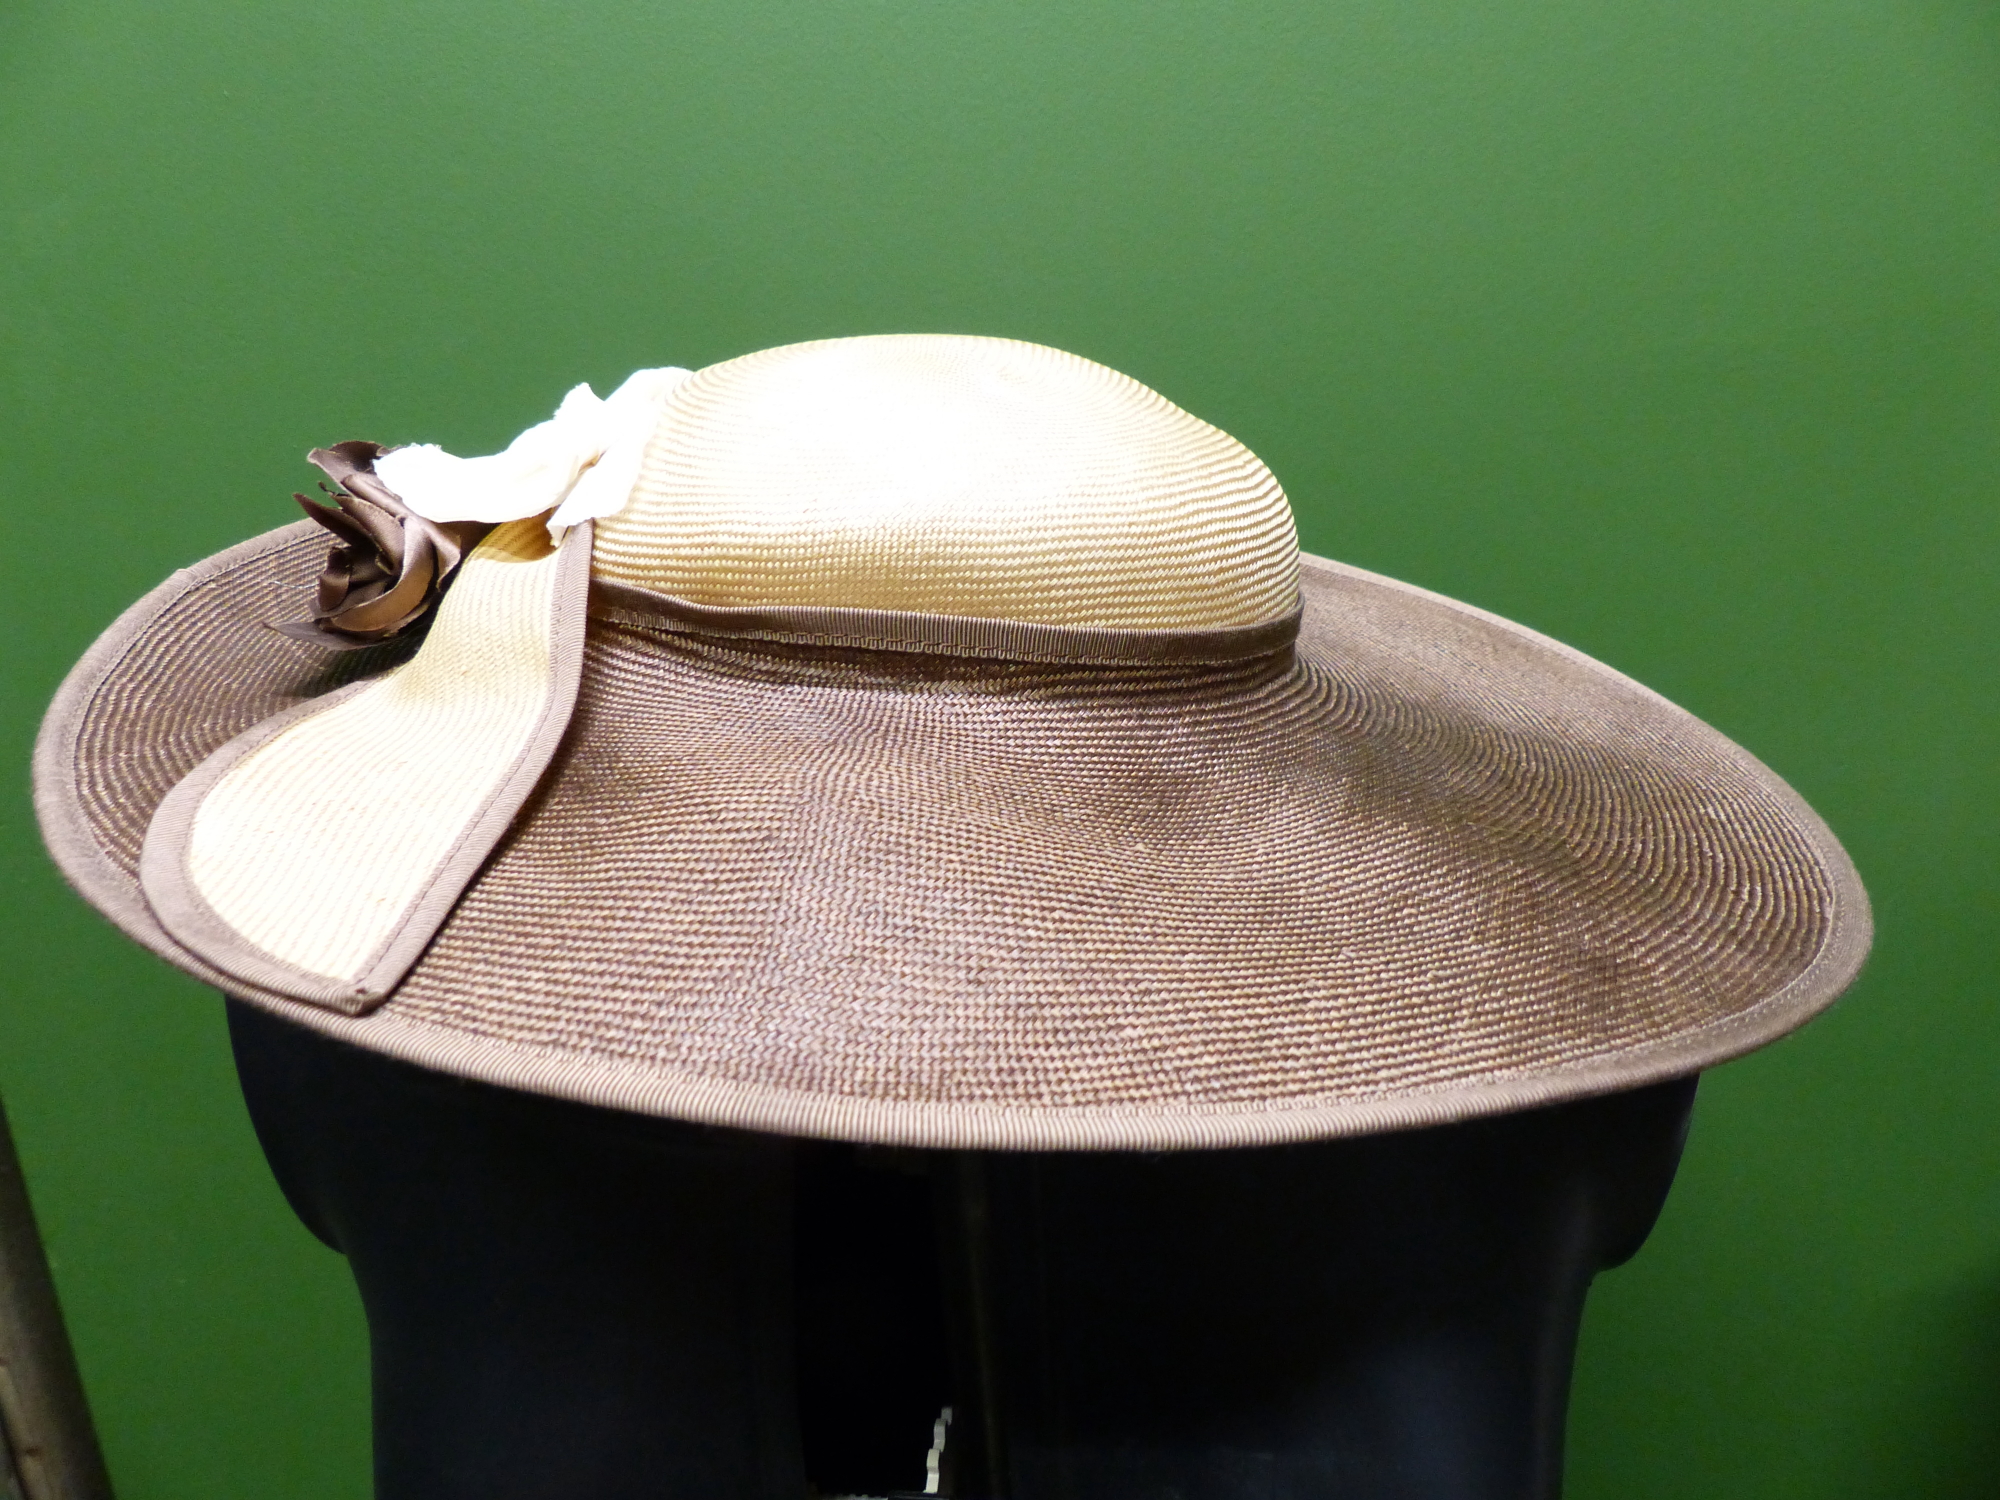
{"points": [[1425, 865]]}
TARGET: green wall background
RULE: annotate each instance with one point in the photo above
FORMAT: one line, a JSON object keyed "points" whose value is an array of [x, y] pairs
{"points": [[1669, 327]]}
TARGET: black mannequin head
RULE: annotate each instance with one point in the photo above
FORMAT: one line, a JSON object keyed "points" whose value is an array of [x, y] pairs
{"points": [[566, 1301]]}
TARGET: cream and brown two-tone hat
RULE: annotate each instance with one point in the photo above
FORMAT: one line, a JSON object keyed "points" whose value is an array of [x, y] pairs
{"points": [[922, 739]]}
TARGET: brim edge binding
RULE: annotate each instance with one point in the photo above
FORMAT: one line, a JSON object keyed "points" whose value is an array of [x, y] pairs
{"points": [[77, 855]]}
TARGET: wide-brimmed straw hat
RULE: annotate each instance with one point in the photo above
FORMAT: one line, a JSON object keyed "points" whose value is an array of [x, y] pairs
{"points": [[922, 739]]}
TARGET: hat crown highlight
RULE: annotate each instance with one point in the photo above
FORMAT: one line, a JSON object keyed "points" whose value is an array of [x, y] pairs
{"points": [[952, 475]]}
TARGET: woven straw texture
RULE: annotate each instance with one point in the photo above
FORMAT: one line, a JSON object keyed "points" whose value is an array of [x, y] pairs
{"points": [[1423, 865], [287, 847], [951, 475]]}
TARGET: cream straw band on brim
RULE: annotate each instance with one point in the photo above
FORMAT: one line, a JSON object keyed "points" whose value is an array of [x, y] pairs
{"points": [[933, 740], [317, 854]]}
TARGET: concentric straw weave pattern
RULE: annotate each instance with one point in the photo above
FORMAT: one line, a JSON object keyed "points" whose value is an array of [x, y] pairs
{"points": [[1002, 885], [208, 669], [958, 476], [1422, 863]]}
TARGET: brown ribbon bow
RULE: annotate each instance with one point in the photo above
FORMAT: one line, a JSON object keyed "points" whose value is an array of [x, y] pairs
{"points": [[391, 565]]}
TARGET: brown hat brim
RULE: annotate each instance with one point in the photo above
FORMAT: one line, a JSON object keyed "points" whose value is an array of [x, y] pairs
{"points": [[1421, 865]]}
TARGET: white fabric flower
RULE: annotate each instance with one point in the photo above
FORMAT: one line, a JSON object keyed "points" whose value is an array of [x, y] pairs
{"points": [[582, 462]]}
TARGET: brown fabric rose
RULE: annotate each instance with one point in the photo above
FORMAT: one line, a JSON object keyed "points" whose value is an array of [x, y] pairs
{"points": [[391, 565]]}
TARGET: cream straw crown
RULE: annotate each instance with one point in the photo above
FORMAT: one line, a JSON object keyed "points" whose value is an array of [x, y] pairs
{"points": [[951, 475]]}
